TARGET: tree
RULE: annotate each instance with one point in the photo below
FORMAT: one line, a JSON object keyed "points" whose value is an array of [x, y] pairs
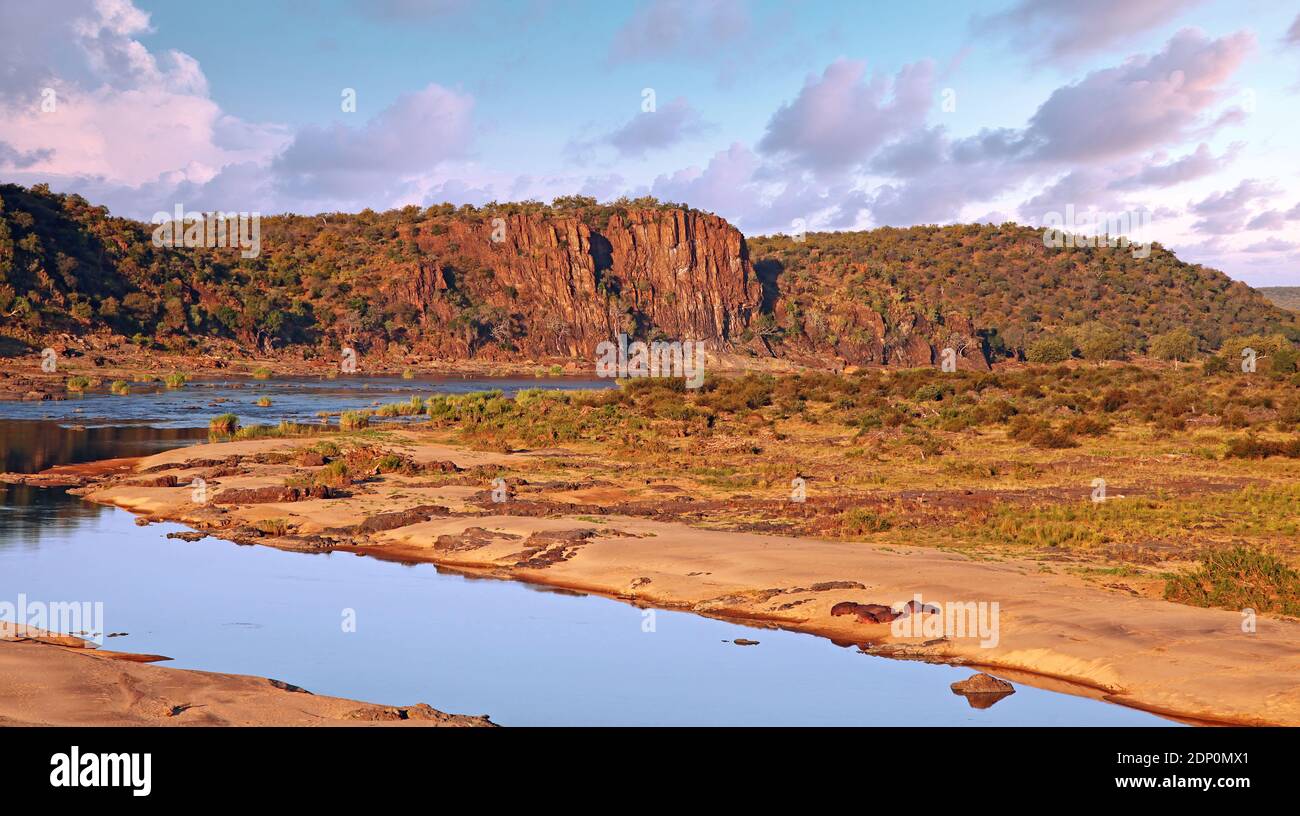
{"points": [[1049, 350], [1178, 344], [1099, 342]]}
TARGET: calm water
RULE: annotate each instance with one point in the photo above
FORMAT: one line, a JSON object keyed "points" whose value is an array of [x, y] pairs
{"points": [[525, 656]]}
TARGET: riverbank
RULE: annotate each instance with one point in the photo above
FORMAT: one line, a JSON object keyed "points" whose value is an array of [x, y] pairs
{"points": [[95, 362], [80, 685], [628, 537]]}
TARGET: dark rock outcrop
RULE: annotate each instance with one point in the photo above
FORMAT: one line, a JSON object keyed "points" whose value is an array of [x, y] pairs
{"points": [[272, 494]]}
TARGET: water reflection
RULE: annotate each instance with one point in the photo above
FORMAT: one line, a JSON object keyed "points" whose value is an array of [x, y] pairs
{"points": [[28, 446], [29, 514], [297, 399]]}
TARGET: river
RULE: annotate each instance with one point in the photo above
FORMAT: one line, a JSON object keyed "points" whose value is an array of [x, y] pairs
{"points": [[380, 631]]}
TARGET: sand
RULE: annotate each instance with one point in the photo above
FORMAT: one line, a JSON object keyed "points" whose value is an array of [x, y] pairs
{"points": [[1054, 631], [64, 681]]}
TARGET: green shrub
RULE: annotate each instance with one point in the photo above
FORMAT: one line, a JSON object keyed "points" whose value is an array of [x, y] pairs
{"points": [[226, 424], [354, 420], [78, 383], [335, 474], [860, 521], [1252, 447], [120, 387], [1239, 578], [175, 380], [1049, 350], [273, 527], [1178, 344]]}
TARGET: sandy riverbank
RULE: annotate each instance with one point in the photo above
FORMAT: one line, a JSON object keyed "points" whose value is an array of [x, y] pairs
{"points": [[1055, 630], [63, 680]]}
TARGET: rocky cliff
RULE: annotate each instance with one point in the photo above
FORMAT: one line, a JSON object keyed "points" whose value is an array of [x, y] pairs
{"points": [[551, 285], [554, 285], [516, 282]]}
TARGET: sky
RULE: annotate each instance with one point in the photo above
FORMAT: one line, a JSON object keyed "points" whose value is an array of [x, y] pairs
{"points": [[779, 116]]}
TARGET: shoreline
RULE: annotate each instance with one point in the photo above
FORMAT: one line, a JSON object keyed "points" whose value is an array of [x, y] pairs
{"points": [[82, 685], [1187, 663], [137, 367]]}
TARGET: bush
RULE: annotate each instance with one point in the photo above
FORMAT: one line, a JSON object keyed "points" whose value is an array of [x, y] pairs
{"points": [[175, 380], [335, 474], [226, 424], [1239, 578], [264, 402], [272, 527], [1049, 350], [1283, 361], [78, 383], [354, 420], [326, 448], [262, 373], [1178, 344], [1216, 365], [120, 387], [1086, 426], [1252, 447], [860, 520], [1098, 342], [1040, 434]]}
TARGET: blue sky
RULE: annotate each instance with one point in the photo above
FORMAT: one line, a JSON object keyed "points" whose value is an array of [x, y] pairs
{"points": [[776, 115]]}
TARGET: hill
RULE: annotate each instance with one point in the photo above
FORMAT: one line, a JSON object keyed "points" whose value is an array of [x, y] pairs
{"points": [[529, 281], [1287, 297], [1007, 281]]}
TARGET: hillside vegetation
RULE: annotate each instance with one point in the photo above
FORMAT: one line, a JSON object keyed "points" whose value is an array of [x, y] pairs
{"points": [[1011, 285], [432, 278]]}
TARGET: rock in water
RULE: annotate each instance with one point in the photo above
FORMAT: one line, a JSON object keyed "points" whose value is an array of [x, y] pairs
{"points": [[982, 690]]}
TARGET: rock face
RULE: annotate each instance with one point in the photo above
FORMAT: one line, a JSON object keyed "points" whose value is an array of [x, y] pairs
{"points": [[535, 285], [558, 287]]}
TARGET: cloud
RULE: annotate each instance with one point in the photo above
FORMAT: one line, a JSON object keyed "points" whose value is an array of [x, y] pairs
{"points": [[11, 157], [1092, 143], [667, 29], [736, 185], [1145, 102], [410, 137], [1192, 166], [851, 151], [1065, 30], [657, 129], [840, 118], [1226, 212], [121, 114], [1293, 33], [1274, 219], [1271, 245], [406, 11]]}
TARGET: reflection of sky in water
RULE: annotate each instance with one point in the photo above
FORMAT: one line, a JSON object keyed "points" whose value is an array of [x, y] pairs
{"points": [[293, 398], [523, 655]]}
